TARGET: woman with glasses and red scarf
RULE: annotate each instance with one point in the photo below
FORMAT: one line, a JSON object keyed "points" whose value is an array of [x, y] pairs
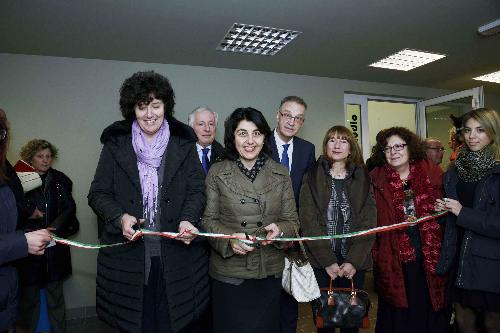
{"points": [[406, 185]]}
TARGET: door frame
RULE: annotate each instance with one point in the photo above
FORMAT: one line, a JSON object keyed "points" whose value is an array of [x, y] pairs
{"points": [[362, 100], [477, 95]]}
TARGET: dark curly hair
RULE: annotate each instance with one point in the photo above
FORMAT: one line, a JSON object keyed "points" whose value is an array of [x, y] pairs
{"points": [[413, 141], [141, 88], [231, 123]]}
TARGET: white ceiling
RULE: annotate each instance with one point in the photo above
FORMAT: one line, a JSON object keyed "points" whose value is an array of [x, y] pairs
{"points": [[340, 37]]}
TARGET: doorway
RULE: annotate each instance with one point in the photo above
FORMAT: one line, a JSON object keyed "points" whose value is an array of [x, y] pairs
{"points": [[366, 115]]}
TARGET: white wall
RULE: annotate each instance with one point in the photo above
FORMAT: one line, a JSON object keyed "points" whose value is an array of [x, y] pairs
{"points": [[70, 101]]}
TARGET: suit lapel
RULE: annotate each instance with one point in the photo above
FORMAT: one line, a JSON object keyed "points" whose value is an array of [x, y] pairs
{"points": [[296, 156], [273, 147]]}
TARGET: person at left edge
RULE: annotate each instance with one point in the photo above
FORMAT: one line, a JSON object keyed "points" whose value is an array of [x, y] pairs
{"points": [[149, 174], [13, 244], [204, 120], [297, 155]]}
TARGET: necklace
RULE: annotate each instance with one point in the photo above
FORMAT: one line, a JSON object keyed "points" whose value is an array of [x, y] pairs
{"points": [[338, 174]]}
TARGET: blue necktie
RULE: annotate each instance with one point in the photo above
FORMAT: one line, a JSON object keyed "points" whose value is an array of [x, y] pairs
{"points": [[204, 159], [284, 157]]}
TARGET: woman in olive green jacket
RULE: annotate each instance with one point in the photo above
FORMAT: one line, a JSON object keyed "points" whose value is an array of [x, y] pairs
{"points": [[336, 198], [247, 195]]}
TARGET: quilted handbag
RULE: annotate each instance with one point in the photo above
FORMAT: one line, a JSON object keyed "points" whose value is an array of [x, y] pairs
{"points": [[298, 276], [342, 308]]}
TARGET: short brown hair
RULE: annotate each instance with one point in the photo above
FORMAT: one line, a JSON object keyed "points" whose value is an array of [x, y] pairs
{"points": [[34, 146], [413, 142], [295, 99], [355, 157]]}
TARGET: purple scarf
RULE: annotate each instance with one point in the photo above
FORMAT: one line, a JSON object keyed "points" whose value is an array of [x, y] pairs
{"points": [[149, 155]]}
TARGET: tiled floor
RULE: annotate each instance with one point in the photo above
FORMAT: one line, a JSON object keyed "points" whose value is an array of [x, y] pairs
{"points": [[305, 324]]}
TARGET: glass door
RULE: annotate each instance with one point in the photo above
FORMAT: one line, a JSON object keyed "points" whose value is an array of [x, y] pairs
{"points": [[434, 116]]}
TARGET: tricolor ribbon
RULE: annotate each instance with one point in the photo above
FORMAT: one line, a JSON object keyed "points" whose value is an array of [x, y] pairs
{"points": [[172, 235]]}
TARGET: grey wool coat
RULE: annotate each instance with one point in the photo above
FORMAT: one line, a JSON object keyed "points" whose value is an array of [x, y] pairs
{"points": [[235, 204], [116, 190]]}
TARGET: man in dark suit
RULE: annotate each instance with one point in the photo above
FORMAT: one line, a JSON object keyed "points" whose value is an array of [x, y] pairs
{"points": [[297, 155], [203, 120]]}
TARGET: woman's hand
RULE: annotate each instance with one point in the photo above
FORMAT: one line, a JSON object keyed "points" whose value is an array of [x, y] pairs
{"points": [[185, 236], [347, 270], [273, 231], [128, 221], [451, 205], [37, 241], [37, 214], [238, 246], [333, 271]]}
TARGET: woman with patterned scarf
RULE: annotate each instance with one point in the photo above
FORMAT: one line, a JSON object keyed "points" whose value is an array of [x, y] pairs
{"points": [[406, 186], [337, 198], [471, 247]]}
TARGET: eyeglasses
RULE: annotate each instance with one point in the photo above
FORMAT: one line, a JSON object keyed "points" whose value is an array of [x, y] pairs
{"points": [[3, 134], [435, 148], [396, 147], [289, 117]]}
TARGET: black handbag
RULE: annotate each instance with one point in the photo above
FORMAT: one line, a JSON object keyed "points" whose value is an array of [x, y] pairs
{"points": [[342, 308]]}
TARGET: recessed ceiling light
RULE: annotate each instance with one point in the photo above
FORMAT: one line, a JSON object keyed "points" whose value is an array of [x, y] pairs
{"points": [[407, 59], [491, 77], [253, 39]]}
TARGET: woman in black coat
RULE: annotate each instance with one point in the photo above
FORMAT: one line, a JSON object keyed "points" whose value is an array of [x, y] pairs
{"points": [[13, 245], [54, 208], [149, 175], [471, 246]]}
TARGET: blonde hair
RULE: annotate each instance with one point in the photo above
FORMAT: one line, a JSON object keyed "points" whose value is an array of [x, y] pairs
{"points": [[490, 121], [29, 150]]}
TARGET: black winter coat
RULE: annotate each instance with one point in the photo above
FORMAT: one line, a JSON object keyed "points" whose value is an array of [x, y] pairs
{"points": [[479, 259], [116, 190], [55, 200], [13, 245]]}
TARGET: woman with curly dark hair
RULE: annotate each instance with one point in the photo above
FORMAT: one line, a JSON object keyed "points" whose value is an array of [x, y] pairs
{"points": [[406, 185], [54, 208], [149, 174]]}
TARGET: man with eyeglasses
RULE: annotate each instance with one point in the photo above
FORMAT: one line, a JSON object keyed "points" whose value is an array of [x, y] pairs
{"points": [[297, 155], [434, 150]]}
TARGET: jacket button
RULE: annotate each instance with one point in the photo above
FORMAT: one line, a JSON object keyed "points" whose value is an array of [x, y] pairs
{"points": [[259, 224], [242, 201], [244, 223], [170, 221], [168, 200]]}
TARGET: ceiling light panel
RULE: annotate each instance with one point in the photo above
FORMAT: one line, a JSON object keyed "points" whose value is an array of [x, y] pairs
{"points": [[254, 39], [407, 59], [491, 77]]}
